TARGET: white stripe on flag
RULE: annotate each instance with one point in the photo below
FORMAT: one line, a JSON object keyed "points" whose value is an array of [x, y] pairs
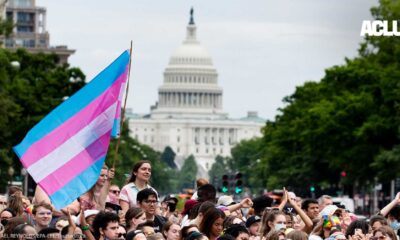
{"points": [[74, 145]]}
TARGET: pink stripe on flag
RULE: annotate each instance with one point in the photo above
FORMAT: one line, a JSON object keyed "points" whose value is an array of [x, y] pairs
{"points": [[73, 125], [76, 165]]}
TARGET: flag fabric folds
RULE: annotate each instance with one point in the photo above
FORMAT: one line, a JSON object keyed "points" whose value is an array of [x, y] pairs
{"points": [[65, 151]]}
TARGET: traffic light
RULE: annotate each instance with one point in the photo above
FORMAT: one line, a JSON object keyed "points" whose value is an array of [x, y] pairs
{"points": [[225, 184], [343, 173], [312, 188], [238, 183]]}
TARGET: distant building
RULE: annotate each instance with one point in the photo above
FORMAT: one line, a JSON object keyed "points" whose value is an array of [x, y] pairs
{"points": [[188, 116], [30, 29]]}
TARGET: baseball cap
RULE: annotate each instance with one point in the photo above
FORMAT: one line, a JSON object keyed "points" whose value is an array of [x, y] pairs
{"points": [[225, 200], [251, 220]]}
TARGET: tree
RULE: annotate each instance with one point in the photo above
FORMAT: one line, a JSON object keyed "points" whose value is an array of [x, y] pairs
{"points": [[346, 122], [246, 158], [27, 94], [168, 157], [187, 175], [218, 169]]}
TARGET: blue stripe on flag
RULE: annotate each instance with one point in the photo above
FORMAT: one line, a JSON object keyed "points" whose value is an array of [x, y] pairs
{"points": [[116, 128], [77, 186], [75, 103]]}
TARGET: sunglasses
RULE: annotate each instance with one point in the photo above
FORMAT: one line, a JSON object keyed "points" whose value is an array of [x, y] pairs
{"points": [[115, 191], [3, 203], [121, 235]]}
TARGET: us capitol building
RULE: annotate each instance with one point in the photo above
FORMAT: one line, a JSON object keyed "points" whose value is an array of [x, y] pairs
{"points": [[188, 116]]}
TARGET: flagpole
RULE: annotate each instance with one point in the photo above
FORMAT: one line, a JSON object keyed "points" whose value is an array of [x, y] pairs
{"points": [[123, 109]]}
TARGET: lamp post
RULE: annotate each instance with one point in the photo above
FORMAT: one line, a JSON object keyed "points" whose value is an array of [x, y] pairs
{"points": [[11, 172], [24, 173]]}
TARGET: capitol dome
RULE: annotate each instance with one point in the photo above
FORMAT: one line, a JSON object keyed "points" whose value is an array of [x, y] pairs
{"points": [[190, 53], [190, 87]]}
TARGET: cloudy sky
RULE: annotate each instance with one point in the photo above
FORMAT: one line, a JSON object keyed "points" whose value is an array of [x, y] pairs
{"points": [[262, 49]]}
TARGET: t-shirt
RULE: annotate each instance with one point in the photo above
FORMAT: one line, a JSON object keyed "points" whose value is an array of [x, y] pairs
{"points": [[129, 193]]}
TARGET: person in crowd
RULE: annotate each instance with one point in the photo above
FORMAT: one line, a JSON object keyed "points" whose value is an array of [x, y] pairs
{"points": [[24, 231], [168, 208], [207, 192], [49, 233], [196, 236], [384, 233], [212, 223], [377, 221], [188, 214], [324, 201], [171, 231], [311, 208], [61, 222], [199, 182], [297, 235], [197, 217], [42, 214], [133, 217], [105, 226], [26, 202], [147, 200], [111, 207], [253, 225], [136, 235], [139, 180], [292, 220], [95, 198], [276, 235], [260, 203], [5, 215], [87, 218], [361, 225], [272, 220], [234, 208], [16, 204], [147, 228], [121, 232], [3, 202], [238, 231], [229, 220], [113, 194], [11, 224], [392, 213], [294, 198], [187, 230]]}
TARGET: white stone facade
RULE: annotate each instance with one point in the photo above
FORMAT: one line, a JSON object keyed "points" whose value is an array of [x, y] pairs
{"points": [[188, 116]]}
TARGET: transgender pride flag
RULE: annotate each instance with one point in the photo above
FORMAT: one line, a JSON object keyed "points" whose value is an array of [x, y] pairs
{"points": [[65, 151]]}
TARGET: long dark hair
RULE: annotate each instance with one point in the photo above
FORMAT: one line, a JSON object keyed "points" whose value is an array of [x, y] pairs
{"points": [[209, 218], [136, 168]]}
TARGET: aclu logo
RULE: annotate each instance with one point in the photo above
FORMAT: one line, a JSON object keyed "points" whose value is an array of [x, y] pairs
{"points": [[379, 28]]}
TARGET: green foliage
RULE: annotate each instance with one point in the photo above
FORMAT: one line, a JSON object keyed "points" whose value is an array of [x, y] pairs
{"points": [[6, 27], [346, 122], [187, 175], [218, 169], [27, 94], [168, 157]]}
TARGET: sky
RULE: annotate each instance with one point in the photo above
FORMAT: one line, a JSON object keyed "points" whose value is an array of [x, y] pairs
{"points": [[262, 49]]}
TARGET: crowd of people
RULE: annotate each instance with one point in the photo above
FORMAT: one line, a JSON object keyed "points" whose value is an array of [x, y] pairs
{"points": [[136, 212]]}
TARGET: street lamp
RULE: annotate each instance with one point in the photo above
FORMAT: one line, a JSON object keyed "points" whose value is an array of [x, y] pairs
{"points": [[11, 172], [24, 173]]}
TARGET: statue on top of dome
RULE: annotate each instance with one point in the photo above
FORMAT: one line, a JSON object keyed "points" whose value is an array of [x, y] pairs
{"points": [[191, 22]]}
